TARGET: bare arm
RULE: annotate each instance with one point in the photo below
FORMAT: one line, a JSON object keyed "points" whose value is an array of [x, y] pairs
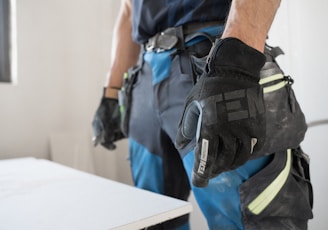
{"points": [[250, 21], [125, 52]]}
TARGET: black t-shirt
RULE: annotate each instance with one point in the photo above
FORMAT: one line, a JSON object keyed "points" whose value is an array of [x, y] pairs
{"points": [[152, 16]]}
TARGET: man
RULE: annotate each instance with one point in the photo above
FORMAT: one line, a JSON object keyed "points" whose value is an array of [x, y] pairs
{"points": [[196, 115]]}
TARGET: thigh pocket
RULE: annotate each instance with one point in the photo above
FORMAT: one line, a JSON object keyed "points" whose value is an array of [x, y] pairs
{"points": [[282, 190]]}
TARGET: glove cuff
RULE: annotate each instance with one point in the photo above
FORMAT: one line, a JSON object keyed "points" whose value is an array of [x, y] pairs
{"points": [[108, 100], [235, 54]]}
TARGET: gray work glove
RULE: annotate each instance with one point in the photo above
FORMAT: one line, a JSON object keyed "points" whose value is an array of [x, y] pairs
{"points": [[106, 124], [224, 111]]}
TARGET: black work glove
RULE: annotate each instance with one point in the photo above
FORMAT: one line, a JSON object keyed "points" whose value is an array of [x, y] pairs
{"points": [[225, 111], [106, 124]]}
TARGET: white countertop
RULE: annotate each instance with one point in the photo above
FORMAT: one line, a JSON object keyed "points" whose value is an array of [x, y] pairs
{"points": [[42, 195]]}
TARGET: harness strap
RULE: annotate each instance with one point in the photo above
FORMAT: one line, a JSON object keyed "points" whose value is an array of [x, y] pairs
{"points": [[175, 37]]}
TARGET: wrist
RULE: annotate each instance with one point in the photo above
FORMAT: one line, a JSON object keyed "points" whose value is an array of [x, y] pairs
{"points": [[256, 42], [111, 92], [233, 53]]}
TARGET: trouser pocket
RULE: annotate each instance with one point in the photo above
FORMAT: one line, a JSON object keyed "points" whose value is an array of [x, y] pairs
{"points": [[279, 196], [125, 97], [286, 125], [198, 53]]}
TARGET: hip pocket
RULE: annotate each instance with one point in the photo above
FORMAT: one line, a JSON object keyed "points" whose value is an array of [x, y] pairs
{"points": [[125, 97], [286, 125], [279, 196]]}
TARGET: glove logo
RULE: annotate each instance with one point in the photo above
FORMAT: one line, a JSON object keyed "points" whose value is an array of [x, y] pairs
{"points": [[235, 105], [203, 157]]}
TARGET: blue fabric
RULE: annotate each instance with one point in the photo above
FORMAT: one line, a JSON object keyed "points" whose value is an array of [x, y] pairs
{"points": [[213, 30], [160, 63], [146, 168], [220, 200], [147, 171]]}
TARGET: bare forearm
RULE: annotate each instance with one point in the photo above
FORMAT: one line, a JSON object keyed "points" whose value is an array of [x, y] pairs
{"points": [[125, 52], [250, 21]]}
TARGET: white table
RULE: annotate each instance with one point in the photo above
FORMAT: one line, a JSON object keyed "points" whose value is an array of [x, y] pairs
{"points": [[42, 195]]}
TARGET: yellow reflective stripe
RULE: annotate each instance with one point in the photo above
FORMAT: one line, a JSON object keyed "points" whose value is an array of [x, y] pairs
{"points": [[274, 87], [271, 78], [264, 199]]}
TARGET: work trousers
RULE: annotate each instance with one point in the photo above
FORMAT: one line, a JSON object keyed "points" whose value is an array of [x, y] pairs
{"points": [[270, 192]]}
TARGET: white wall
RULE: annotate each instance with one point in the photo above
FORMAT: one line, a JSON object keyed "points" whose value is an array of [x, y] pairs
{"points": [[63, 55], [62, 58]]}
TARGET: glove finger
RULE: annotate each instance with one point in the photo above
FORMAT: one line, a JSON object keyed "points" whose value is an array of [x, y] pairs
{"points": [[181, 141], [97, 139], [243, 151], [226, 149], [98, 131], [109, 139], [205, 155], [109, 145], [118, 136], [188, 125]]}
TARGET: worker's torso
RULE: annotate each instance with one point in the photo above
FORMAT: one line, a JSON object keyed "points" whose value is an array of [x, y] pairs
{"points": [[153, 16]]}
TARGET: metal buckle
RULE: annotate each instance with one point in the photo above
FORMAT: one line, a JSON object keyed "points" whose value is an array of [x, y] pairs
{"points": [[161, 42]]}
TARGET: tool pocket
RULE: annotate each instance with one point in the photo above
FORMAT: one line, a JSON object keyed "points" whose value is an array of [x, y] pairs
{"points": [[286, 125], [201, 44], [125, 97], [280, 195]]}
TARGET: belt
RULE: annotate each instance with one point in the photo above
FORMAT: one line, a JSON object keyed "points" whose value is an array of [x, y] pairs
{"points": [[175, 37]]}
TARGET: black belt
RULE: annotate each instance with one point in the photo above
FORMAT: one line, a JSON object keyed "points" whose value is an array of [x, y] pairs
{"points": [[175, 37]]}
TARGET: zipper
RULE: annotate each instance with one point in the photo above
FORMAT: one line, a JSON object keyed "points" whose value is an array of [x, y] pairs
{"points": [[275, 82]]}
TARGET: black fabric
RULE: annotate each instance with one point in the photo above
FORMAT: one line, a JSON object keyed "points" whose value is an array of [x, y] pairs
{"points": [[106, 124], [291, 208], [285, 120], [226, 109], [125, 97], [172, 37], [150, 17], [176, 183]]}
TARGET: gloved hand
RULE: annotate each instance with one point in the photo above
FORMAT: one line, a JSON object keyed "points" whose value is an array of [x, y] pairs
{"points": [[225, 111], [107, 124]]}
